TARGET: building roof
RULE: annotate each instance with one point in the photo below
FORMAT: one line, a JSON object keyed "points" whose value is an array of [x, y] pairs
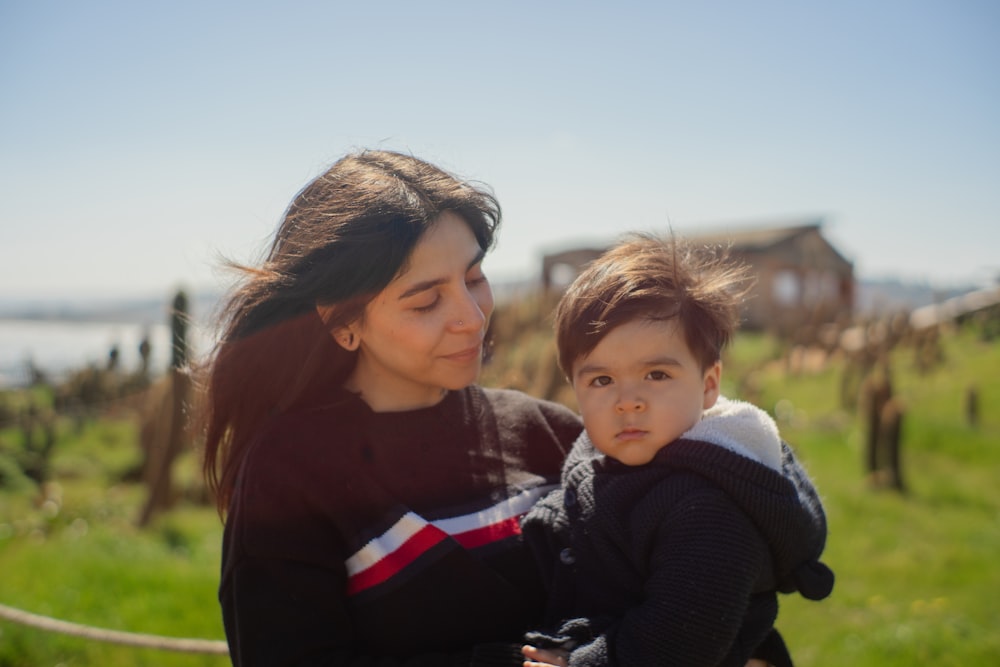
{"points": [[744, 239], [755, 238], [763, 239]]}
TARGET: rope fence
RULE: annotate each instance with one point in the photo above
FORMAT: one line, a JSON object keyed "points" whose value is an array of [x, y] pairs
{"points": [[216, 647]]}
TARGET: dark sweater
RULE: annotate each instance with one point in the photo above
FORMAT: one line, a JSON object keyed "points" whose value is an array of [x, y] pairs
{"points": [[676, 562], [362, 538]]}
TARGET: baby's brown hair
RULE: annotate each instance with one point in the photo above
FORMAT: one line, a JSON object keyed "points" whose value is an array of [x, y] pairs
{"points": [[648, 277]]}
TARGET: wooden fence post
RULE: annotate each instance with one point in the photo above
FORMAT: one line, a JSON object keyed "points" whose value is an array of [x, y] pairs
{"points": [[160, 477]]}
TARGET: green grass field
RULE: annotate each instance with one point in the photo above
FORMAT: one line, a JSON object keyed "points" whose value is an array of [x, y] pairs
{"points": [[917, 575], [77, 556]]}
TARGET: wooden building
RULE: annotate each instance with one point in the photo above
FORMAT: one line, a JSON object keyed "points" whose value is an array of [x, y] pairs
{"points": [[800, 277]]}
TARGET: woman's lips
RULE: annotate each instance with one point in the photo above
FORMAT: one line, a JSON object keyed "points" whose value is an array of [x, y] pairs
{"points": [[466, 355]]}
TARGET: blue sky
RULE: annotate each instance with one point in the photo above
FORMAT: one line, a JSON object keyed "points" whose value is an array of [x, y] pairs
{"points": [[141, 142]]}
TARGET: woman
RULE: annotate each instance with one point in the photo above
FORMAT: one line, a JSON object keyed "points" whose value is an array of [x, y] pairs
{"points": [[371, 490]]}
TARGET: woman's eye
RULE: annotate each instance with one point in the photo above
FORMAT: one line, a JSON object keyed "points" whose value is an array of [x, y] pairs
{"points": [[478, 279], [429, 307]]}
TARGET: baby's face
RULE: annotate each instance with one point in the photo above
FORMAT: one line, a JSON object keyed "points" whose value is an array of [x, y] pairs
{"points": [[640, 388]]}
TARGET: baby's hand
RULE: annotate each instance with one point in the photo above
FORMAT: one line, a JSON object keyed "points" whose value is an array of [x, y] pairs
{"points": [[540, 657]]}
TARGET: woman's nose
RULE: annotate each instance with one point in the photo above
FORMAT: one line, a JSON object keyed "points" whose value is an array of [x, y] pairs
{"points": [[468, 317]]}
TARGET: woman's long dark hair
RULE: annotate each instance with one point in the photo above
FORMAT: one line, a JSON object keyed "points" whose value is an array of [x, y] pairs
{"points": [[344, 237]]}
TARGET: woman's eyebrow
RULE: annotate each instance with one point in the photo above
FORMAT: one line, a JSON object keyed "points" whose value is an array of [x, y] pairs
{"points": [[430, 284]]}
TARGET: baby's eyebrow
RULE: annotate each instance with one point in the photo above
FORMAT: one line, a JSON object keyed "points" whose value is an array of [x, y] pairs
{"points": [[590, 369], [663, 361]]}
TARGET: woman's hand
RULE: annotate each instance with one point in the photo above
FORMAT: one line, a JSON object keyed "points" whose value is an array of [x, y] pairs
{"points": [[539, 657]]}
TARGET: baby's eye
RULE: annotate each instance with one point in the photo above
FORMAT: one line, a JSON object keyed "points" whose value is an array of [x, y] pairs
{"points": [[600, 381], [657, 375]]}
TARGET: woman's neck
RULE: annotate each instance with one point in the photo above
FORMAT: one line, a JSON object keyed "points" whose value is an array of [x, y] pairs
{"points": [[398, 401]]}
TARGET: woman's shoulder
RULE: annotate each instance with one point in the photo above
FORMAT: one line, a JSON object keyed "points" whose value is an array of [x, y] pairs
{"points": [[517, 402], [520, 415], [538, 431]]}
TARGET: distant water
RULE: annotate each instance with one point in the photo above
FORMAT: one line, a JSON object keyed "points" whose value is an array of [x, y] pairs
{"points": [[59, 346]]}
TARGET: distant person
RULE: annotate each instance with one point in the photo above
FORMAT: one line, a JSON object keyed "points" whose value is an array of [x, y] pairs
{"points": [[682, 513], [145, 351], [371, 490]]}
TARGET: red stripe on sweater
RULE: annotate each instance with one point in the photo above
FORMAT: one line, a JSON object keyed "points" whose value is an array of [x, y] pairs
{"points": [[488, 534], [394, 562]]}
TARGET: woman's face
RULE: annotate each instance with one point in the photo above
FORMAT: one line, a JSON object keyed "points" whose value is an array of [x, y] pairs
{"points": [[423, 334]]}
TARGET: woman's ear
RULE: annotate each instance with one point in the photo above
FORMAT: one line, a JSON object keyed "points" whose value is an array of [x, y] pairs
{"points": [[346, 336]]}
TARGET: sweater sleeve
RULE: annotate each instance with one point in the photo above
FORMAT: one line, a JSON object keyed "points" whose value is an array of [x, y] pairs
{"points": [[284, 613], [706, 556], [282, 595]]}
